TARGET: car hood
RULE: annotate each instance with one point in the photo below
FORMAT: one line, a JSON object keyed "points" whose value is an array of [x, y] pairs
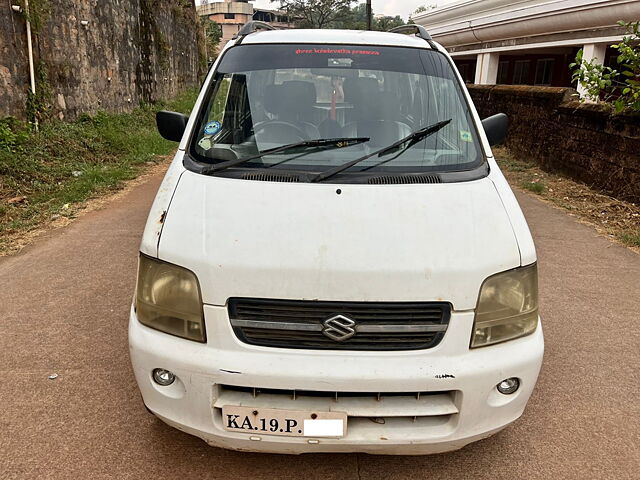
{"points": [[304, 241]]}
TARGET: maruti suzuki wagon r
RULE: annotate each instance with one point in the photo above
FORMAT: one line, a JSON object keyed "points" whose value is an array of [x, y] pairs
{"points": [[334, 261]]}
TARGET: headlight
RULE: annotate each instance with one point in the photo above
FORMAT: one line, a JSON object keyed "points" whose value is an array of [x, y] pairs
{"points": [[168, 299], [507, 307]]}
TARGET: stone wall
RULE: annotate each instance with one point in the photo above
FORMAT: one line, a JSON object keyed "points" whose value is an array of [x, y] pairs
{"points": [[584, 141], [130, 51]]}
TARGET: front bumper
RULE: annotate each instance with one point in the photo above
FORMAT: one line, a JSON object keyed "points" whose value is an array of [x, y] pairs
{"points": [[467, 378]]}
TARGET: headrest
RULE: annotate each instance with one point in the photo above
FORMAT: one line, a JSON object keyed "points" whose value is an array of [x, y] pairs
{"points": [[299, 87], [291, 97], [359, 89], [386, 106], [377, 105]]}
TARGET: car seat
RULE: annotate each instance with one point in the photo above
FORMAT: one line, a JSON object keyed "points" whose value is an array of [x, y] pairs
{"points": [[291, 106]]}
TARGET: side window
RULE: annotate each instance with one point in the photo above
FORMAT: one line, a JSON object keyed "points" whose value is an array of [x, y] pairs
{"points": [[212, 130], [229, 114], [324, 89], [447, 103], [237, 123], [324, 84], [216, 111]]}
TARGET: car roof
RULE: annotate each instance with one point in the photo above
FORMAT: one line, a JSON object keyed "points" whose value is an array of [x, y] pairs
{"points": [[332, 37]]}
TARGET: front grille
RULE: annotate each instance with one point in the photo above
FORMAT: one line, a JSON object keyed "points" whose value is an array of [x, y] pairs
{"points": [[360, 326]]}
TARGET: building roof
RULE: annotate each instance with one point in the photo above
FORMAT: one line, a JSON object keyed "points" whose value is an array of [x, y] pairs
{"points": [[275, 12], [350, 37], [474, 21]]}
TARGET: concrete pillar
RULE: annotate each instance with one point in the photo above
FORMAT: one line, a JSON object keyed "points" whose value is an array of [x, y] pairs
{"points": [[592, 52], [487, 68]]}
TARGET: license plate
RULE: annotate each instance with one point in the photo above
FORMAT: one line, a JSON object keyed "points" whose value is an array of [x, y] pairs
{"points": [[291, 423]]}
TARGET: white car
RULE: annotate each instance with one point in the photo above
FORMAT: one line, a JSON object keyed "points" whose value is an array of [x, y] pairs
{"points": [[334, 261]]}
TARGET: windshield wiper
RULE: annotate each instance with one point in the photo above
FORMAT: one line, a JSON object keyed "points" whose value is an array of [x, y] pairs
{"points": [[322, 143], [412, 139]]}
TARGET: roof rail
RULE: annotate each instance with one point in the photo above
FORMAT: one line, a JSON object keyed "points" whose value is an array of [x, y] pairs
{"points": [[419, 31], [251, 27]]}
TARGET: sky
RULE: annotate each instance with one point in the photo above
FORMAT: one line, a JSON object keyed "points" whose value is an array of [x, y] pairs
{"points": [[386, 7]]}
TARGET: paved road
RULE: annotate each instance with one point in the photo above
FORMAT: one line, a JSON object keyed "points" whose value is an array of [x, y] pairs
{"points": [[64, 305]]}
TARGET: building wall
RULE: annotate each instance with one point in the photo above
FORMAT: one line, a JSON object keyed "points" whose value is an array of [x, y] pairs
{"points": [[14, 72], [226, 6], [231, 15], [229, 26], [131, 51], [583, 141]]}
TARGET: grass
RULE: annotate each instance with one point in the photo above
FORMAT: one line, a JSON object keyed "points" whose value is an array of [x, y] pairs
{"points": [[534, 187], [46, 174], [632, 239], [610, 216]]}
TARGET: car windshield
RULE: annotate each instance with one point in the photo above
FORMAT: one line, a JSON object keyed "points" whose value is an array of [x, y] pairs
{"points": [[266, 96]]}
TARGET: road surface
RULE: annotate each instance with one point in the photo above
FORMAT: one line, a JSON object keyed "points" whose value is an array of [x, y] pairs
{"points": [[64, 309]]}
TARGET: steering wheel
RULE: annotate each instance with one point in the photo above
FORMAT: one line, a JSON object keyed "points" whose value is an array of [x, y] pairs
{"points": [[278, 131]]}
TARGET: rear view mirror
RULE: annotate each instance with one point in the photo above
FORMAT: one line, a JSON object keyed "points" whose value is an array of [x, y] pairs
{"points": [[171, 125], [495, 127]]}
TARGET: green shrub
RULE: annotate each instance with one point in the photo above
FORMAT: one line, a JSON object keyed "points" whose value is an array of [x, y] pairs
{"points": [[619, 87], [12, 134], [534, 187], [68, 162]]}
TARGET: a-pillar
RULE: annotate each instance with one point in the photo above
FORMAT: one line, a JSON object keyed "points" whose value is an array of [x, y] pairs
{"points": [[592, 52], [487, 68]]}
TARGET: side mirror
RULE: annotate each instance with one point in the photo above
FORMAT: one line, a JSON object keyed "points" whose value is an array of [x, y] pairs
{"points": [[171, 125], [495, 127]]}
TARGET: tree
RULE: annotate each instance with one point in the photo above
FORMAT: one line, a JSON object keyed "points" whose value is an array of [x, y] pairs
{"points": [[356, 19], [618, 87], [421, 9], [344, 16], [385, 24], [212, 36], [424, 8], [315, 13]]}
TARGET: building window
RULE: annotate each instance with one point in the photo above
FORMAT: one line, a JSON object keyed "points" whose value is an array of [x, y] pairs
{"points": [[464, 71], [503, 72], [544, 71], [521, 72], [229, 16]]}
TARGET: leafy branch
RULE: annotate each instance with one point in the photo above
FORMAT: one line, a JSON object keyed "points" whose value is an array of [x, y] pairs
{"points": [[619, 87], [212, 35]]}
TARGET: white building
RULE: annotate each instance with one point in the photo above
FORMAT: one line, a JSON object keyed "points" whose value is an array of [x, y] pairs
{"points": [[528, 41]]}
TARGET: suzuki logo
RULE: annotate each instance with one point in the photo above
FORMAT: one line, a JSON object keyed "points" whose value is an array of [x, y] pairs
{"points": [[339, 328]]}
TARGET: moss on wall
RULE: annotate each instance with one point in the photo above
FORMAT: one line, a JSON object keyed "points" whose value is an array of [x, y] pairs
{"points": [[37, 14], [99, 55]]}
